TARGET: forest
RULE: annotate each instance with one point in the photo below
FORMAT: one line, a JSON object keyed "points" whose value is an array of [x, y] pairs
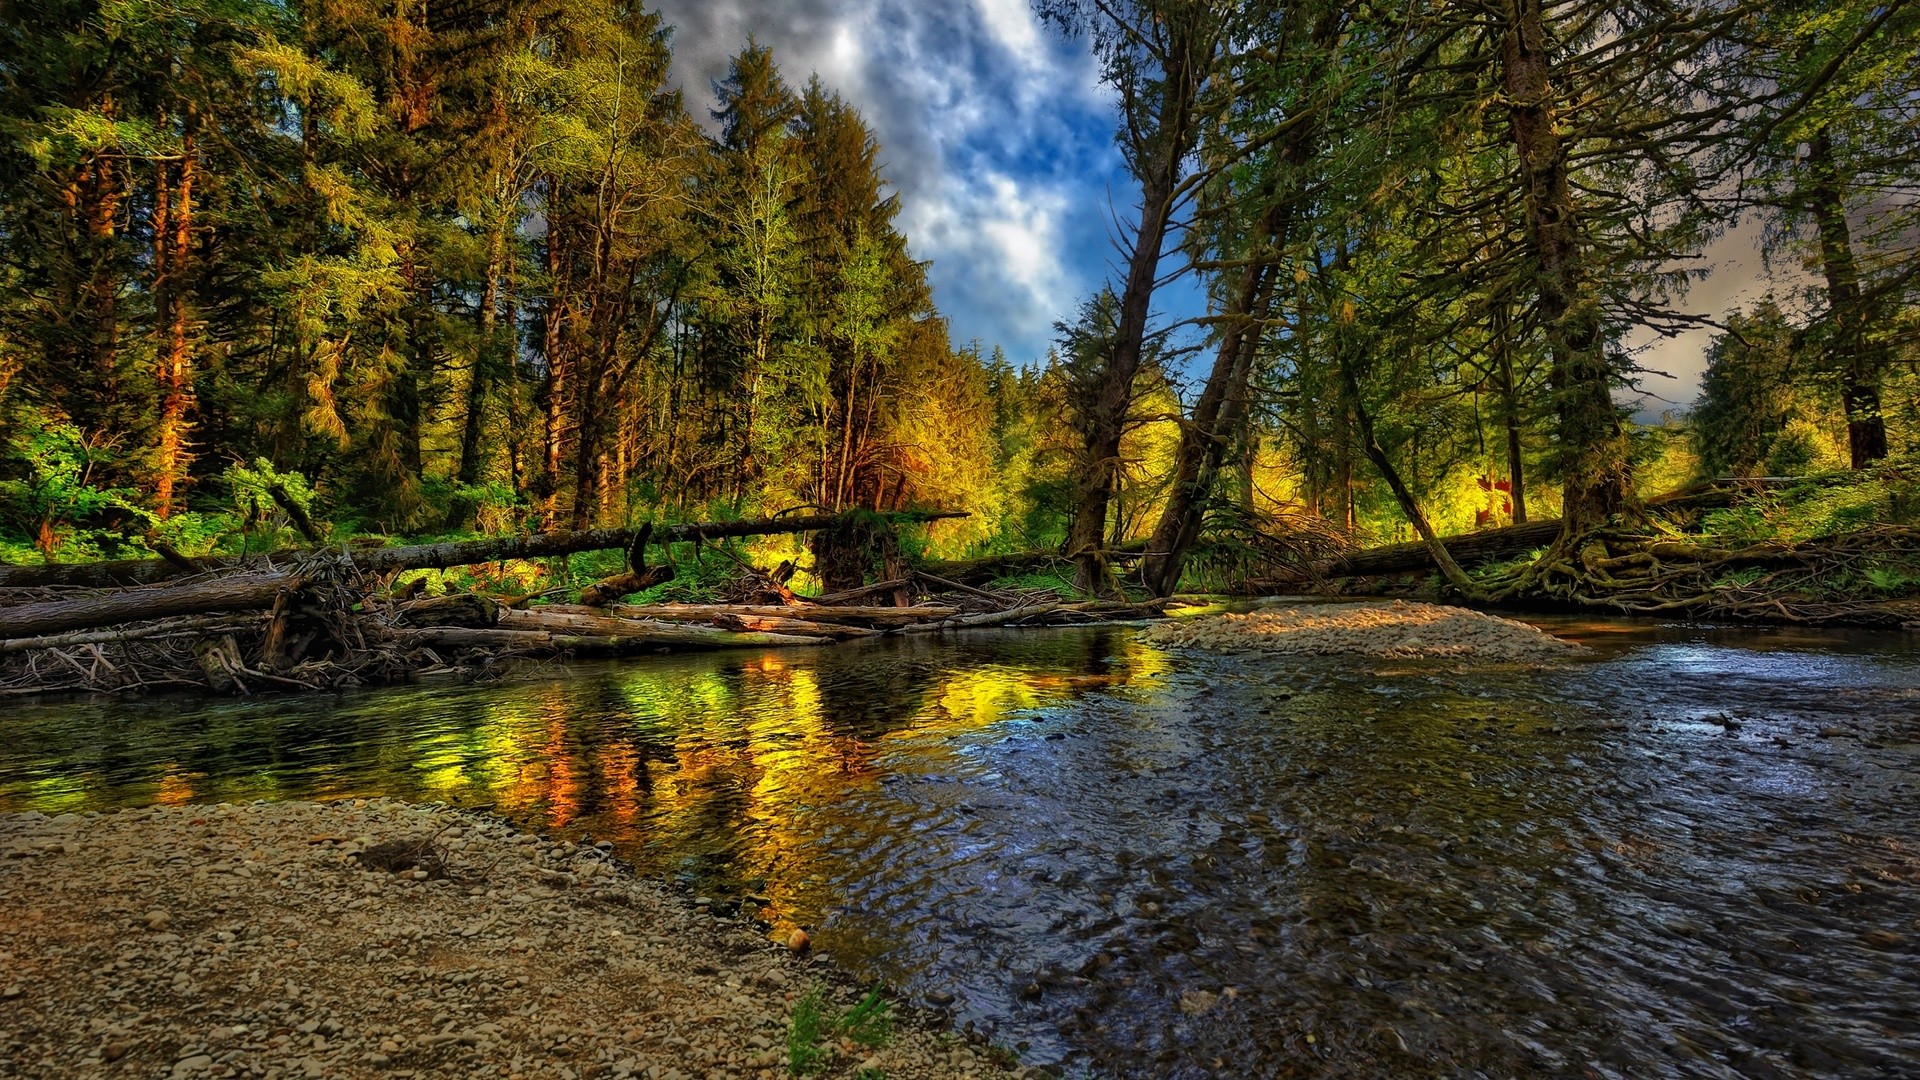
{"points": [[273, 270]]}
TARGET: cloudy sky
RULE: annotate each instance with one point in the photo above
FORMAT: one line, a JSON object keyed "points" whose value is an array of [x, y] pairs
{"points": [[999, 139], [994, 129]]}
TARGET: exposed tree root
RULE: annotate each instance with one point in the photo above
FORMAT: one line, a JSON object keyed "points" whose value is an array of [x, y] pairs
{"points": [[1618, 570]]}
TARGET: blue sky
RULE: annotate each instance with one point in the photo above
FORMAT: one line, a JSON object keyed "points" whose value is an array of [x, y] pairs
{"points": [[999, 138]]}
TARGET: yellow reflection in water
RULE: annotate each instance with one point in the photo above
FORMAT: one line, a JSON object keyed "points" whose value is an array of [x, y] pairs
{"points": [[746, 762], [176, 786]]}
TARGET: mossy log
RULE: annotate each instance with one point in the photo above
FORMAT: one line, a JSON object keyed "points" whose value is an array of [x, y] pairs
{"points": [[1513, 541], [129, 572]]}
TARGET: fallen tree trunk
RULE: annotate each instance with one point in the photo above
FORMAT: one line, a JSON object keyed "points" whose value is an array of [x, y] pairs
{"points": [[986, 618], [982, 570], [638, 630], [778, 625], [189, 626], [433, 556], [1471, 549], [812, 612], [1512, 541], [532, 640], [140, 605]]}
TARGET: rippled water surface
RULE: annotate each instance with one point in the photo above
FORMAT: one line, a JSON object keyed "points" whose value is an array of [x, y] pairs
{"points": [[1694, 853]]}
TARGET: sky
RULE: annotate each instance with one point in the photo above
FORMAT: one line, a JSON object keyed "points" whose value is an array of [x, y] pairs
{"points": [[998, 136], [994, 129]]}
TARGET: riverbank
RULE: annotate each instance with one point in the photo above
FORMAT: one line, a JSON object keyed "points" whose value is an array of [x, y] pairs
{"points": [[381, 939]]}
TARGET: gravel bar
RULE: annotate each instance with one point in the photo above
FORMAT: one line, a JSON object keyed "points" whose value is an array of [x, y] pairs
{"points": [[382, 939], [1400, 630]]}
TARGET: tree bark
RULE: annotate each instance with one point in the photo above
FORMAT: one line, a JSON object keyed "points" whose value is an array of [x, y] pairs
{"points": [[486, 361], [173, 248], [1859, 361], [1593, 449], [59, 616], [1160, 158], [1510, 412]]}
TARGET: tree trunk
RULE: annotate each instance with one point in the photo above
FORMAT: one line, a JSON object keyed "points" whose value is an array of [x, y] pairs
{"points": [[486, 362], [1370, 445], [1220, 413], [1593, 447], [1859, 361], [554, 349], [173, 247], [1159, 161], [1204, 439], [228, 594], [1510, 411]]}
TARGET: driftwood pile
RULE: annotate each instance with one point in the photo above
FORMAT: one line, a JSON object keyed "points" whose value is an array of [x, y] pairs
{"points": [[333, 617]]}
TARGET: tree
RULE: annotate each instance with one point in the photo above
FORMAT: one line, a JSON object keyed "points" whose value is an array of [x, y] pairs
{"points": [[1832, 148], [1160, 56]]}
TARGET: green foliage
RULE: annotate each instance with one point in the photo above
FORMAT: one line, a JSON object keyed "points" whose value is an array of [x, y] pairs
{"points": [[1889, 580], [1824, 505], [805, 1028], [1059, 580], [52, 498], [253, 485], [867, 1023], [1737, 523]]}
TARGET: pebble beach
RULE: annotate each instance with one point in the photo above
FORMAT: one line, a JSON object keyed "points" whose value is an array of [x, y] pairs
{"points": [[1399, 630], [382, 939]]}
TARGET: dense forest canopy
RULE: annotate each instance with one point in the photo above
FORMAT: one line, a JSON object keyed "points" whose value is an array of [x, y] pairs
{"points": [[440, 267]]}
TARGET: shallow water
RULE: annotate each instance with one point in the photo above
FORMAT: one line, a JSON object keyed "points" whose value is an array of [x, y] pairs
{"points": [[1692, 854]]}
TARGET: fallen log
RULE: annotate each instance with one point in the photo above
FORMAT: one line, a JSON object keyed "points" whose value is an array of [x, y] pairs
{"points": [[986, 618], [1512, 541], [606, 591], [778, 625], [1469, 550], [813, 612], [139, 605], [189, 626], [659, 633], [433, 556], [864, 592], [456, 609], [649, 640]]}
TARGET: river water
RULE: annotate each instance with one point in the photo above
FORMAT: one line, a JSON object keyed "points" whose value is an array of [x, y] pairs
{"points": [[1693, 853]]}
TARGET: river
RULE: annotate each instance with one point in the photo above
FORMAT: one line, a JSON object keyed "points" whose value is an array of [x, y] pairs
{"points": [[1692, 853]]}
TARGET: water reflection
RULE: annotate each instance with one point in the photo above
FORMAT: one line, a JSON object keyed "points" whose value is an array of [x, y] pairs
{"points": [[1690, 855]]}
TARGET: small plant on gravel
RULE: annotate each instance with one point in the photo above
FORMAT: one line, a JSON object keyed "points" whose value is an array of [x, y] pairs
{"points": [[868, 1024], [804, 1031]]}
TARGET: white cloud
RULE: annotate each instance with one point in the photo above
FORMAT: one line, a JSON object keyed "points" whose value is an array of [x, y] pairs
{"points": [[993, 129], [1015, 26]]}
